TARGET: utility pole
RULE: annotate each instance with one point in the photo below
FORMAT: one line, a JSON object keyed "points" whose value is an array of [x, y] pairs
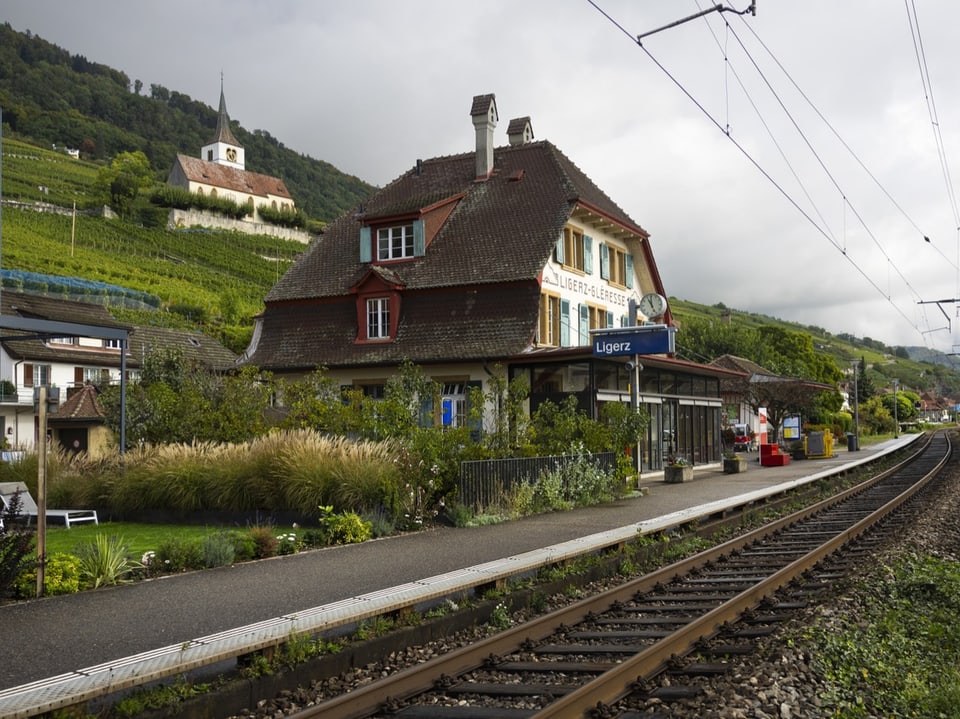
{"points": [[896, 421]]}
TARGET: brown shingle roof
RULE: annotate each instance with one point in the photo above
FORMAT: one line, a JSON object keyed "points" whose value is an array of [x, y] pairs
{"points": [[501, 230], [250, 183], [82, 405], [195, 345], [475, 294]]}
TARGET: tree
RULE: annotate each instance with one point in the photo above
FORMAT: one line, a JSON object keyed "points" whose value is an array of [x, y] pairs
{"points": [[123, 179], [865, 388], [781, 397]]}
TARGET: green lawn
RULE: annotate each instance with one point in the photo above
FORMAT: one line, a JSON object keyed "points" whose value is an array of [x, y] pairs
{"points": [[139, 538]]}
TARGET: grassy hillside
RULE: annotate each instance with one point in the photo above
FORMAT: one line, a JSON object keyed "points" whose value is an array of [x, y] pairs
{"points": [[926, 372], [214, 279]]}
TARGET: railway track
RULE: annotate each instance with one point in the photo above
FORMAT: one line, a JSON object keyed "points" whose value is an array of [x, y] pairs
{"points": [[585, 658]]}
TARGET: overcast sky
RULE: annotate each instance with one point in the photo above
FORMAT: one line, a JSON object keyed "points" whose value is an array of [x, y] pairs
{"points": [[810, 204]]}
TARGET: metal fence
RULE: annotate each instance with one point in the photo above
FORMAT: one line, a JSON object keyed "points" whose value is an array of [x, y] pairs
{"points": [[487, 483]]}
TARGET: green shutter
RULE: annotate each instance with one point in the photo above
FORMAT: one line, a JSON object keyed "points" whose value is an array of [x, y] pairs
{"points": [[588, 254], [604, 261], [419, 242], [584, 325], [609, 319], [558, 252], [476, 426], [564, 323], [366, 245], [629, 263], [426, 413]]}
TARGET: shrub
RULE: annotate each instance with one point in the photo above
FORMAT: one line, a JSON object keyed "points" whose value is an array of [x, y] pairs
{"points": [[105, 561], [264, 543], [381, 525], [16, 544], [288, 543], [244, 547], [345, 528], [217, 549], [179, 555], [60, 576]]}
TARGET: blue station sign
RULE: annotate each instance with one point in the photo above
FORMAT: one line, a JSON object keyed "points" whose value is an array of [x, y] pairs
{"points": [[642, 340]]}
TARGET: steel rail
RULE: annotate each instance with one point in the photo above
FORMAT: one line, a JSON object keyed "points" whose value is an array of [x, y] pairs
{"points": [[418, 679], [619, 682]]}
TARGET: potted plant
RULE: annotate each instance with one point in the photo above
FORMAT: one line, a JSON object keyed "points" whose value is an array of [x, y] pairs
{"points": [[677, 470], [733, 463]]}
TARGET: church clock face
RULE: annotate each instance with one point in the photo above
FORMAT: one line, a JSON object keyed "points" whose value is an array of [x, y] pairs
{"points": [[231, 154]]}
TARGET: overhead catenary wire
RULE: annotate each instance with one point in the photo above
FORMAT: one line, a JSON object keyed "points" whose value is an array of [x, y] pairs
{"points": [[753, 161], [826, 170]]}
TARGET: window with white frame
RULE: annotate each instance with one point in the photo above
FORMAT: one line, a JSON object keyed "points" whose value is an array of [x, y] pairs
{"points": [[395, 243], [549, 320], [453, 404], [378, 318], [96, 375], [112, 344], [38, 375], [62, 340]]}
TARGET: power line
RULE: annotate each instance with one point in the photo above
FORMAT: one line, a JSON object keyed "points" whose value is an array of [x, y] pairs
{"points": [[749, 157]]}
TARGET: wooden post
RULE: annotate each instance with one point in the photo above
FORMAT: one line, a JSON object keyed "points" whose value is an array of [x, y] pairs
{"points": [[42, 491]]}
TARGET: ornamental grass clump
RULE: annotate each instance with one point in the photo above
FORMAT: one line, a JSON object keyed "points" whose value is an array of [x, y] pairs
{"points": [[105, 561]]}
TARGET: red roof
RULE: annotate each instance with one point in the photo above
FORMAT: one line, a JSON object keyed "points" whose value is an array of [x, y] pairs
{"points": [[230, 178]]}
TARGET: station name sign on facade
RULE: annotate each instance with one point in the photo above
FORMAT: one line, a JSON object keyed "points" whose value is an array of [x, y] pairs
{"points": [[642, 340]]}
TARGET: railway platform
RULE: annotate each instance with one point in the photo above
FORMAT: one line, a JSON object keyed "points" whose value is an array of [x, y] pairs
{"points": [[57, 635]]}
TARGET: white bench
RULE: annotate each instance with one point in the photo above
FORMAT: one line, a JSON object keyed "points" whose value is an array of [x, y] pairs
{"points": [[28, 507]]}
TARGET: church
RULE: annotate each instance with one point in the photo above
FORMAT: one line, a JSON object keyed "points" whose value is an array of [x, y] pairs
{"points": [[220, 172]]}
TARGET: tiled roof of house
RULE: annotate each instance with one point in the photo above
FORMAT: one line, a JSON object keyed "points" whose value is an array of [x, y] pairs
{"points": [[81, 405], [501, 231], [740, 364], [250, 183], [195, 346], [443, 325]]}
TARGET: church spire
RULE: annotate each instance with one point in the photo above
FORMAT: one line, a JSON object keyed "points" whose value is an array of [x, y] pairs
{"points": [[223, 133]]}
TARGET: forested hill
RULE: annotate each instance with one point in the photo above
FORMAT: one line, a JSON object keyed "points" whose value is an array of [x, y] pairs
{"points": [[51, 97]]}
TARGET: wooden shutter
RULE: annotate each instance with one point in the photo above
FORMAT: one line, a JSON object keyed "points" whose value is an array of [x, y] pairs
{"points": [[28, 375], [558, 252], [588, 254], [78, 376], [628, 261], [584, 324], [366, 245], [604, 261]]}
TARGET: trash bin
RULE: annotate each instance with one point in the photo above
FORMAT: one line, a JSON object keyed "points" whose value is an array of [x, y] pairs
{"points": [[852, 444]]}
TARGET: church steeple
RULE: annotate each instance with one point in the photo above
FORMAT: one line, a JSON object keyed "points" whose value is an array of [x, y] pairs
{"points": [[223, 148]]}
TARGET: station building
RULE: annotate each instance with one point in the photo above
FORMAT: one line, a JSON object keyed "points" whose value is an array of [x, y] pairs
{"points": [[497, 262]]}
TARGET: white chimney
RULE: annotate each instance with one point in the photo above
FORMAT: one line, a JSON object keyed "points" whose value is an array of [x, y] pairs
{"points": [[484, 114], [520, 131]]}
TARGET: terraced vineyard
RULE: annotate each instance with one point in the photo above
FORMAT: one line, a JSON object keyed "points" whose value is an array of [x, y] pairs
{"points": [[192, 268]]}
